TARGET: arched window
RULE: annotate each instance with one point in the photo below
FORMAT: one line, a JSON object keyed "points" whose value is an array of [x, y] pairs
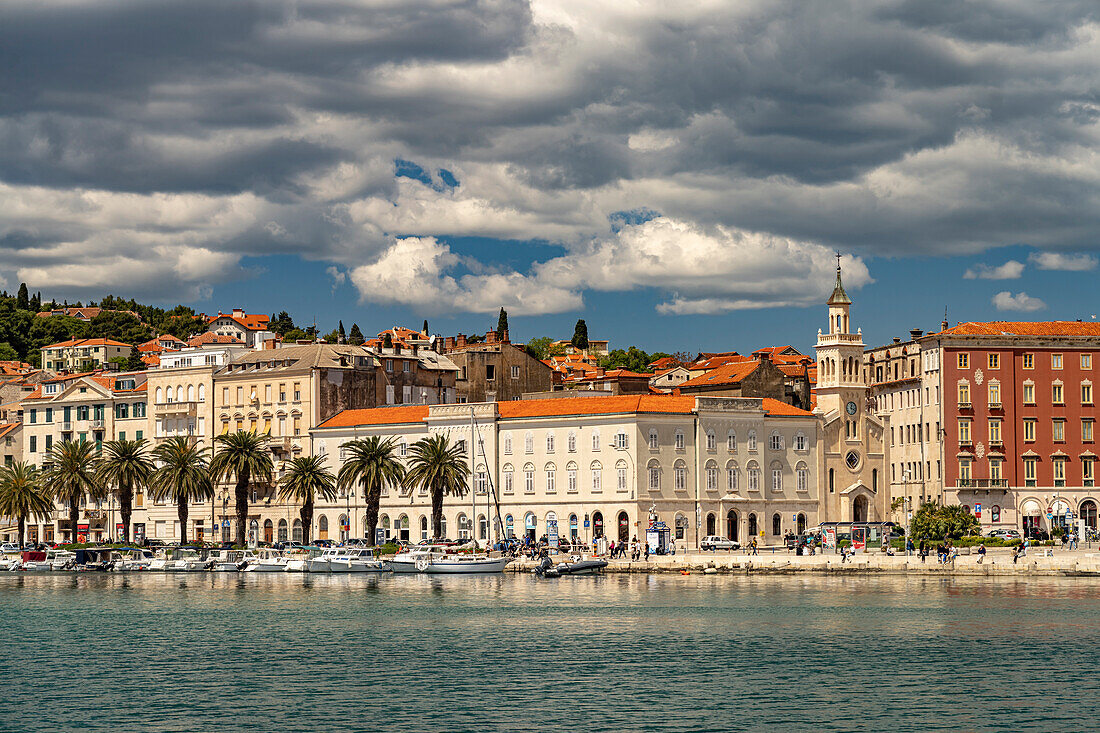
{"points": [[509, 526], [712, 441], [190, 393], [679, 475], [160, 400], [551, 478], [712, 476], [681, 526], [1087, 512], [322, 527], [202, 393], [752, 440], [573, 527], [345, 528], [731, 476], [283, 537], [654, 471], [752, 525], [802, 477], [383, 522], [621, 483], [507, 444], [529, 442], [508, 474], [296, 531], [482, 527], [571, 477], [731, 442], [530, 525], [463, 526], [571, 442], [995, 513], [801, 523], [777, 476], [403, 527], [800, 441], [597, 477], [711, 523], [529, 478], [754, 476], [423, 527], [777, 524], [443, 527]]}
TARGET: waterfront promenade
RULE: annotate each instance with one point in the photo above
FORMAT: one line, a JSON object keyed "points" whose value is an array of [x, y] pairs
{"points": [[998, 561]]}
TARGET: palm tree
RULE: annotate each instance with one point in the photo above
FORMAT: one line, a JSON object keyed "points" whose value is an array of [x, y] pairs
{"points": [[72, 475], [183, 476], [22, 495], [126, 465], [307, 478], [371, 464], [242, 455], [440, 468]]}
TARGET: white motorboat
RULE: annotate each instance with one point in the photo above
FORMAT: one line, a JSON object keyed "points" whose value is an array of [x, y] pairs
{"points": [[433, 561], [266, 561], [354, 560], [225, 561], [186, 560], [131, 559], [49, 560], [322, 563], [406, 562]]}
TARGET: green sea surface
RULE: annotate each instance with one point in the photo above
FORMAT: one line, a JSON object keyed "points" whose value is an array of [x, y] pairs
{"points": [[290, 652]]}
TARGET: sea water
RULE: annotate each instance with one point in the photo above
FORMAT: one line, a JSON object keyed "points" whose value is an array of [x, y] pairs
{"points": [[289, 652]]}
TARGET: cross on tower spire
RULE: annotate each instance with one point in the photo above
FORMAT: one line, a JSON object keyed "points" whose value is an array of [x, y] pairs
{"points": [[838, 259]]}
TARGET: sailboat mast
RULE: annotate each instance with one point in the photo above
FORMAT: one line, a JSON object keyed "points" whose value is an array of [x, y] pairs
{"points": [[473, 476]]}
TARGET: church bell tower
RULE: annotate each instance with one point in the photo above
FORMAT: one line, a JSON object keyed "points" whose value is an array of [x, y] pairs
{"points": [[840, 383]]}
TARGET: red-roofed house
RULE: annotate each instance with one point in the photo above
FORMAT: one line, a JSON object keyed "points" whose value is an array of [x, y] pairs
{"points": [[82, 355], [249, 328], [597, 467]]}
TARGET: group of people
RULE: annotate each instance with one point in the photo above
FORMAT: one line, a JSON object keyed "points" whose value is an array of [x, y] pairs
{"points": [[945, 551]]}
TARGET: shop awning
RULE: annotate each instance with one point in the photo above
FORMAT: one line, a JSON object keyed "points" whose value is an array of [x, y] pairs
{"points": [[1031, 508]]}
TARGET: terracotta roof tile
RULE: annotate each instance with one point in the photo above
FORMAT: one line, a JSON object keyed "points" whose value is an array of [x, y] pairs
{"points": [[725, 374], [85, 342], [1024, 328]]}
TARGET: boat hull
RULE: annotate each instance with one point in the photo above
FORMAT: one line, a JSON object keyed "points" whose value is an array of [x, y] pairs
{"points": [[466, 567]]}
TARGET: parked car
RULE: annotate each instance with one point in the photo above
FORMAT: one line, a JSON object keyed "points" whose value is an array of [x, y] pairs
{"points": [[9, 547], [1039, 535], [716, 542], [1005, 534]]}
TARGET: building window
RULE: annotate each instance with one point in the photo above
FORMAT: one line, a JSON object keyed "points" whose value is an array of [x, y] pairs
{"points": [[529, 442], [1086, 472], [995, 469], [507, 445], [964, 431], [1029, 393], [529, 479], [777, 525], [1086, 361], [776, 441], [802, 478], [1086, 393], [800, 442], [597, 477], [653, 440], [995, 432], [964, 471], [515, 372], [1058, 431], [1057, 395], [595, 440], [964, 395], [752, 440], [1086, 430], [679, 475], [964, 361], [994, 394], [712, 441], [571, 442], [551, 479], [1029, 361], [509, 485], [620, 475], [994, 361], [571, 478], [777, 479], [679, 440], [1055, 361], [1059, 472], [549, 442], [481, 482], [1029, 472], [995, 513], [1029, 429], [731, 442], [754, 477], [654, 478], [712, 477]]}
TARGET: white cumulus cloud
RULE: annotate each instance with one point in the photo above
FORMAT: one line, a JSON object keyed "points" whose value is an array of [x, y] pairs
{"points": [[1006, 301], [1010, 270], [1058, 261]]}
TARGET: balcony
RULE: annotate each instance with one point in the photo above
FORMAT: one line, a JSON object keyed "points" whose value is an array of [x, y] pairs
{"points": [[66, 427], [965, 443], [981, 483], [996, 445], [189, 409], [968, 405], [280, 445], [98, 424], [995, 405]]}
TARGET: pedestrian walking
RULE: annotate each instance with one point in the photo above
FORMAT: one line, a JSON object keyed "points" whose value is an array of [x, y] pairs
{"points": [[1023, 547], [981, 553], [909, 547], [647, 552], [611, 549], [923, 550], [752, 547], [1015, 555]]}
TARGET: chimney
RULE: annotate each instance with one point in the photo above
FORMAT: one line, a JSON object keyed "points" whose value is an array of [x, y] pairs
{"points": [[897, 339], [269, 344], [944, 325], [763, 355], [915, 333], [238, 312], [397, 348], [460, 340], [415, 349]]}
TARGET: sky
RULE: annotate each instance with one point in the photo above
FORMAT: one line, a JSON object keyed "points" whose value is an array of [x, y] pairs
{"points": [[680, 175]]}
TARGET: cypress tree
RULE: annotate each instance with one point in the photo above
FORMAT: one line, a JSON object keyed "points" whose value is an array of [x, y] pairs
{"points": [[22, 300], [355, 338], [343, 336], [580, 335], [502, 323], [425, 331]]}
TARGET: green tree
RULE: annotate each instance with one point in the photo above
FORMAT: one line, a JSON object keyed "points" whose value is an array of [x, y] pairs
{"points": [[425, 331], [340, 332], [539, 347], [23, 496], [371, 463], [22, 300], [72, 476], [387, 341], [355, 338], [502, 323], [134, 363], [243, 457], [440, 468], [281, 323], [580, 335], [8, 352], [184, 478], [934, 522], [294, 334], [306, 479], [126, 465], [633, 359]]}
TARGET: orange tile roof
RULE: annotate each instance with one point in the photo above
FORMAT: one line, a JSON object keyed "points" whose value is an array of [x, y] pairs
{"points": [[1024, 328], [250, 321], [5, 429], [85, 342], [725, 374], [561, 407], [212, 338]]}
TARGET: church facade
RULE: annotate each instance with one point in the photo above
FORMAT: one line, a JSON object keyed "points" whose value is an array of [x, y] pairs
{"points": [[854, 452]]}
